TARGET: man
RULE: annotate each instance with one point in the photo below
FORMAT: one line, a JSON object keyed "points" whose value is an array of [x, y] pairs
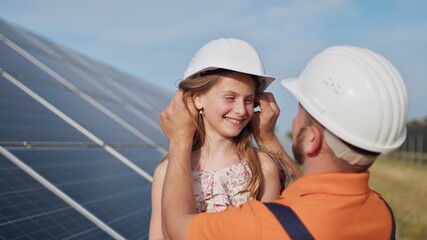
{"points": [[352, 108]]}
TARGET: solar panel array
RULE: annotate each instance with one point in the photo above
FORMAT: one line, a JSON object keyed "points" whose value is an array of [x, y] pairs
{"points": [[79, 142]]}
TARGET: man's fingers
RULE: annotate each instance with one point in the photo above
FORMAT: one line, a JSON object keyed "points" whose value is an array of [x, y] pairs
{"points": [[272, 102], [188, 97], [178, 98], [177, 120], [268, 105], [264, 102], [260, 100]]}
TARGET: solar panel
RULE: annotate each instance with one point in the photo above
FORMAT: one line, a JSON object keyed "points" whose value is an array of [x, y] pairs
{"points": [[79, 141]]}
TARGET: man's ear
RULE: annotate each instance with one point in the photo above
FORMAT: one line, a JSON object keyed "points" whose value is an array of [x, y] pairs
{"points": [[197, 98], [313, 139]]}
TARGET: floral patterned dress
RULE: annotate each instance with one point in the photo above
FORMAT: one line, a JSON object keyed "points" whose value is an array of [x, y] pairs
{"points": [[216, 190]]}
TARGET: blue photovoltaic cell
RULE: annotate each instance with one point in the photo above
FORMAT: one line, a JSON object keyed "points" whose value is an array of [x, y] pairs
{"points": [[24, 119], [74, 66], [84, 114], [154, 134], [145, 158], [64, 95], [13, 62], [157, 98], [28, 209], [103, 103], [106, 187]]}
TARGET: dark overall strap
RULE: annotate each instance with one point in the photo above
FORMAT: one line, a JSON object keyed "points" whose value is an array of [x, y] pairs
{"points": [[296, 229], [393, 226], [290, 221]]}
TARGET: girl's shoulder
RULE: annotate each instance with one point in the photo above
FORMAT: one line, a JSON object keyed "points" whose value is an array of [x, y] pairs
{"points": [[160, 170]]}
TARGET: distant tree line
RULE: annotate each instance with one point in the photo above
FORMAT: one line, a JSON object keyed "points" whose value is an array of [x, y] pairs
{"points": [[415, 146], [416, 139]]}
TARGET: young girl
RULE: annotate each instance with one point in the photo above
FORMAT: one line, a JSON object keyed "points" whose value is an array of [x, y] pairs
{"points": [[224, 77]]}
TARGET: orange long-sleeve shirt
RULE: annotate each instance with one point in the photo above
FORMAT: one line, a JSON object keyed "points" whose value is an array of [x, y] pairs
{"points": [[331, 206]]}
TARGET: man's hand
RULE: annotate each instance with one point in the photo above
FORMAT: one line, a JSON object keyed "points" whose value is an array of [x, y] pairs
{"points": [[179, 119], [179, 122], [264, 122]]}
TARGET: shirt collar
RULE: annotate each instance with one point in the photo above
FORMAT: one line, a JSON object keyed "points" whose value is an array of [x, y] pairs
{"points": [[332, 183]]}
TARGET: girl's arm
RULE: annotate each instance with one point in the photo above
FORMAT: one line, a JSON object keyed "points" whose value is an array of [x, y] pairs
{"points": [[270, 189], [156, 201]]}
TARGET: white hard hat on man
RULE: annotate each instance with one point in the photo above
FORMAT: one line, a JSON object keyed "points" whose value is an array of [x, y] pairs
{"points": [[358, 96]]}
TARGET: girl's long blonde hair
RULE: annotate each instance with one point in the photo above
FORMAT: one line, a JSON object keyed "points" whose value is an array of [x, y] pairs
{"points": [[246, 151]]}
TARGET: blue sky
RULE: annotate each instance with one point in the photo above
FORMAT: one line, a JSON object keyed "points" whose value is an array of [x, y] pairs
{"points": [[155, 40]]}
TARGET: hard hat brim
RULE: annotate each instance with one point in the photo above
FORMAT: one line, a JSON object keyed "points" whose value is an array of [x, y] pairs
{"points": [[292, 85], [264, 80]]}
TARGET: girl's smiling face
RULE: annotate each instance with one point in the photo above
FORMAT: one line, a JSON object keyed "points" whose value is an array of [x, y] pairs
{"points": [[228, 105]]}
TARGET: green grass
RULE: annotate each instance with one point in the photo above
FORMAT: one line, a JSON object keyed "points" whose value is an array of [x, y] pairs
{"points": [[404, 186]]}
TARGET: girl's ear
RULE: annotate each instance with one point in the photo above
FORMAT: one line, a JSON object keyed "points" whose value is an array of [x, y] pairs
{"points": [[197, 98]]}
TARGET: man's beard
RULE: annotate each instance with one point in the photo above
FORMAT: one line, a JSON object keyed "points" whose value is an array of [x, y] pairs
{"points": [[297, 148]]}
